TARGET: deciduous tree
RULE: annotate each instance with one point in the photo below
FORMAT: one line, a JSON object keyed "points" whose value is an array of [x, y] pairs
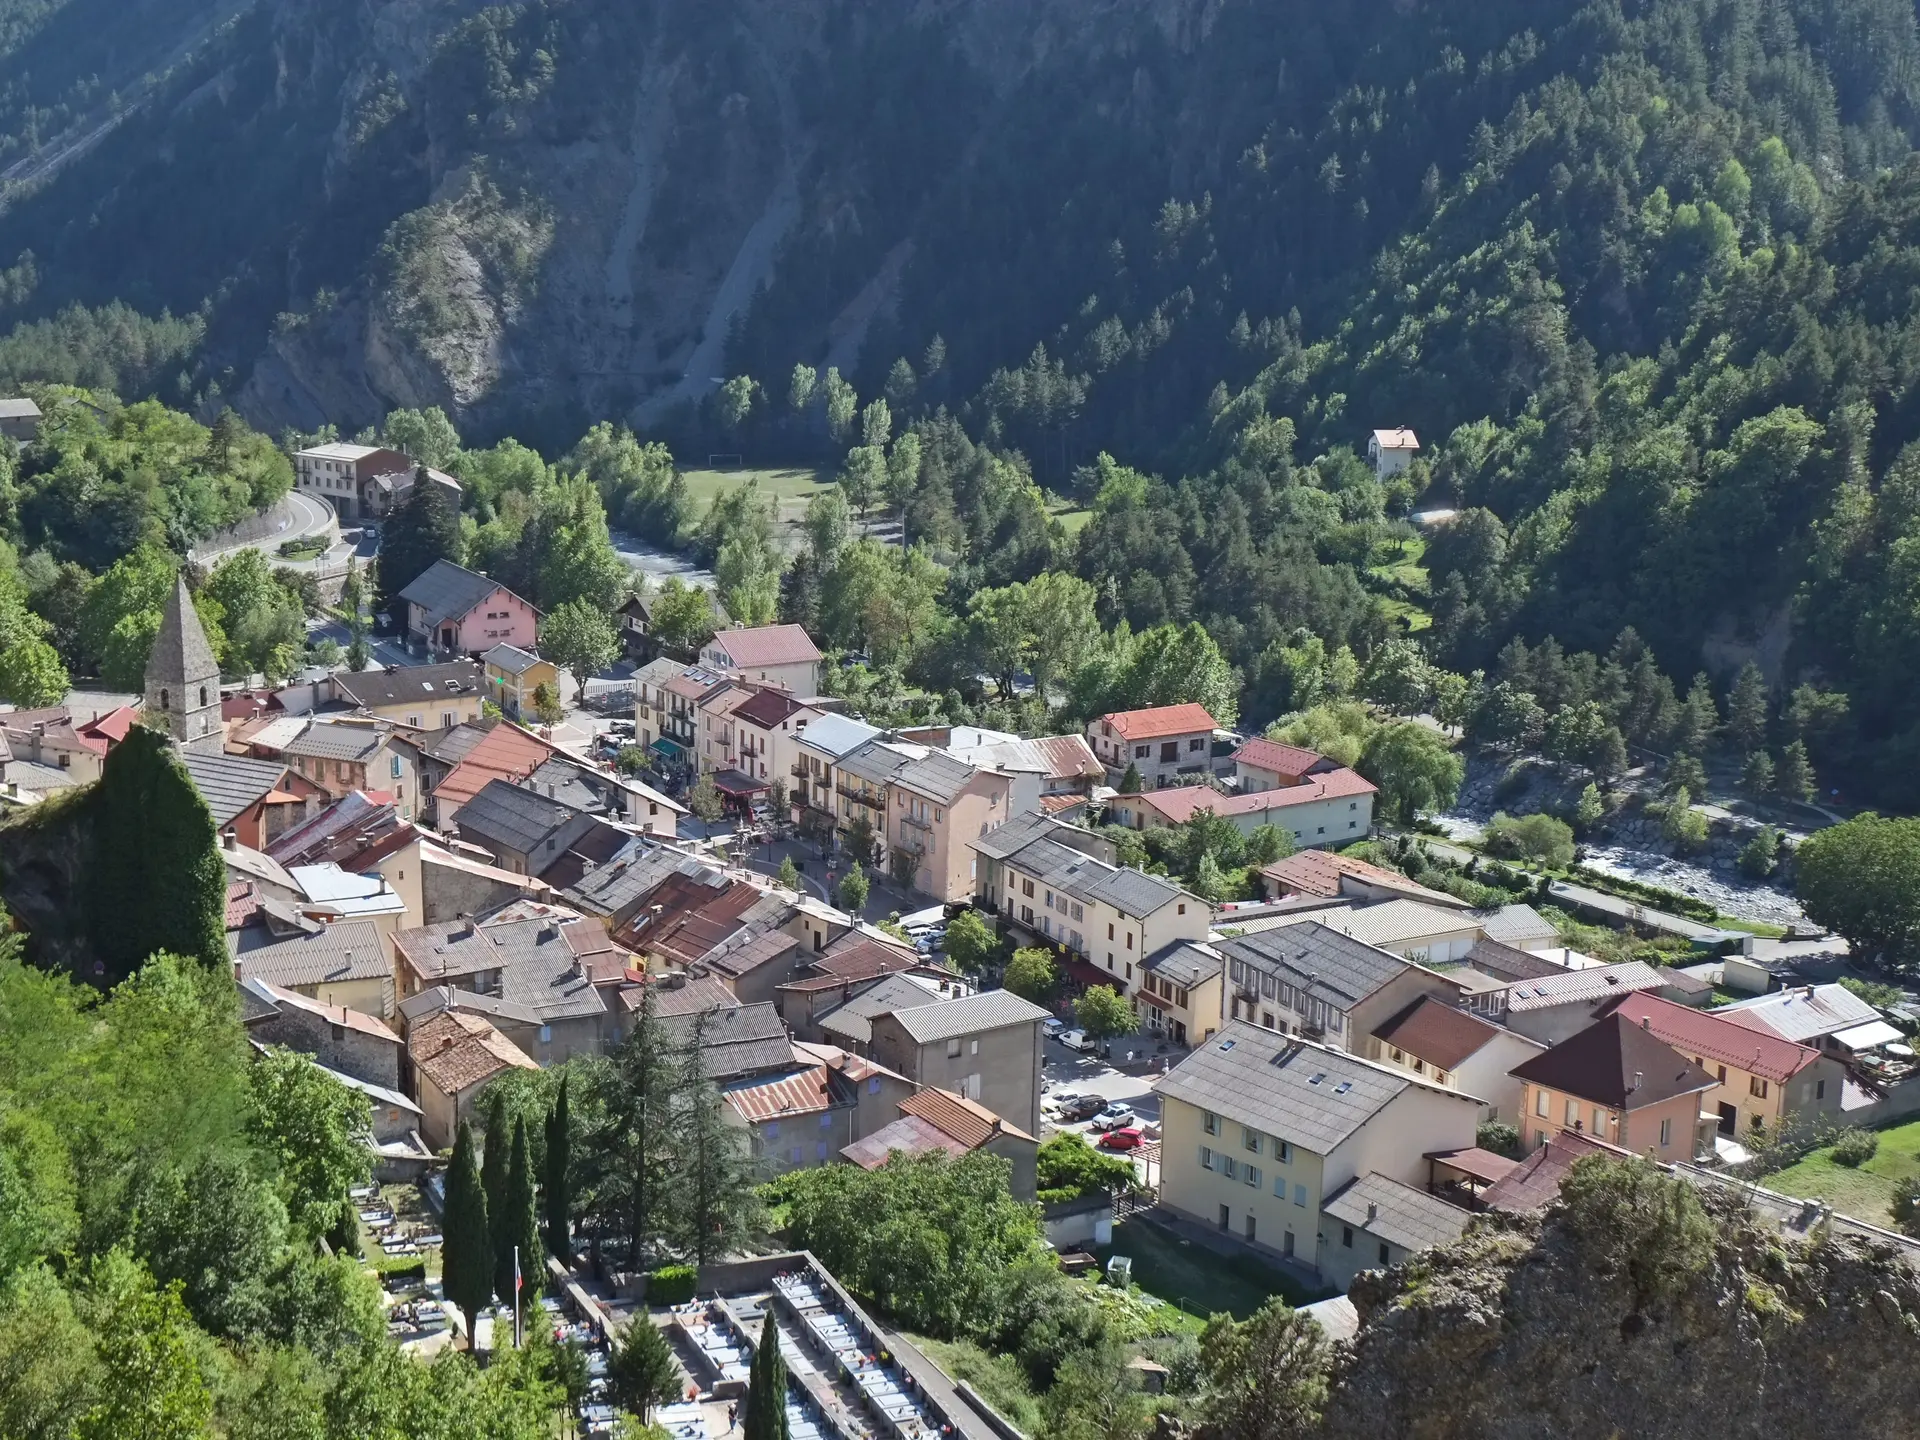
{"points": [[1031, 974], [579, 637]]}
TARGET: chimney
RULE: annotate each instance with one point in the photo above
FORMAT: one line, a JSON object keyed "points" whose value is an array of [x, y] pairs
{"points": [[229, 838], [1646, 1022], [1372, 1211]]}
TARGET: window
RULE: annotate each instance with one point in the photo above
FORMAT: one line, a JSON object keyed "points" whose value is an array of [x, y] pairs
{"points": [[1756, 1087], [1250, 1139], [1666, 1133], [1300, 1196], [203, 695], [826, 1122], [1383, 1254], [1819, 1089], [973, 1047], [1573, 1112], [1229, 1167], [1599, 1122], [1140, 752], [1253, 1176], [798, 1152], [1129, 939], [873, 1086], [953, 1049], [820, 1150], [1078, 911], [1196, 744], [1109, 932], [395, 768], [1540, 1103], [1210, 1122], [1723, 1073], [1226, 1217], [1206, 1158], [1183, 907], [1346, 1236], [1284, 1153]]}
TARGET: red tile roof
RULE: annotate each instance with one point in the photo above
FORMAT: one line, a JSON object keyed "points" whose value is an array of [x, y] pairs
{"points": [[1293, 760], [507, 753], [1613, 1062], [1180, 804], [1158, 722], [969, 1123], [243, 903], [114, 725], [1436, 1032], [1717, 1038], [767, 708], [1318, 872], [455, 1051], [767, 645], [1537, 1179]]}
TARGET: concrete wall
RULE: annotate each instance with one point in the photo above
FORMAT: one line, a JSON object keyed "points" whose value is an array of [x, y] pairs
{"points": [[1072, 1224], [447, 891]]}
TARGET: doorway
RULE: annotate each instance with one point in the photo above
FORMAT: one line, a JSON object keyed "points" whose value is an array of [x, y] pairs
{"points": [[1729, 1119]]}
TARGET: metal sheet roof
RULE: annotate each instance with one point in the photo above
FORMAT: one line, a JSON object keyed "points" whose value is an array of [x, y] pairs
{"points": [[1396, 1212]]}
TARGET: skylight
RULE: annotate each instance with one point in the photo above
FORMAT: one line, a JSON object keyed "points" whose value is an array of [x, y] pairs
{"points": [[1228, 1044], [1343, 1087], [1318, 1078]]}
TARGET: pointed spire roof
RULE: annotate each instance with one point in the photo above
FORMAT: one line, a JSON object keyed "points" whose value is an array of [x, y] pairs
{"points": [[180, 651]]}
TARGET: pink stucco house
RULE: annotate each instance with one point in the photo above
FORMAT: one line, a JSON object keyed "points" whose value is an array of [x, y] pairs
{"points": [[452, 610]]}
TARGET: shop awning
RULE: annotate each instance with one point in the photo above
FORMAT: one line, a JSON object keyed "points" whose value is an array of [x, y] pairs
{"points": [[669, 749], [1085, 972], [737, 783]]}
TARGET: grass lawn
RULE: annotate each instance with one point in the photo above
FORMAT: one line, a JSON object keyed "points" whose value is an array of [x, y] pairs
{"points": [[998, 1378], [791, 486], [1865, 1193], [1073, 520], [1195, 1279]]}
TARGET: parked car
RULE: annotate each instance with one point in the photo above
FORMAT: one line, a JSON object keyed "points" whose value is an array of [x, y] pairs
{"points": [[1075, 1040], [1116, 1116], [1081, 1107], [1053, 1025], [1127, 1137]]}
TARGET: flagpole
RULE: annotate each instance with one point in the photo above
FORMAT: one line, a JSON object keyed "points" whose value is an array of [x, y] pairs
{"points": [[516, 1297]]}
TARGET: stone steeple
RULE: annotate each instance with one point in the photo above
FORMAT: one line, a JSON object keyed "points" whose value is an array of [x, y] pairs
{"points": [[183, 679]]}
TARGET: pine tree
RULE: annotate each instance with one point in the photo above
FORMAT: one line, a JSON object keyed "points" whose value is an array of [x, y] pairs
{"points": [[424, 528], [766, 1417], [713, 1197], [497, 1157], [1756, 776], [466, 1252], [635, 1136], [1130, 782], [522, 1228], [559, 1178], [1747, 709], [1699, 717], [1795, 776], [641, 1371]]}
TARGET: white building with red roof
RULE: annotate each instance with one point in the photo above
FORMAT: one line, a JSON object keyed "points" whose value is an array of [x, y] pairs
{"points": [[1331, 809], [774, 654], [1168, 743]]}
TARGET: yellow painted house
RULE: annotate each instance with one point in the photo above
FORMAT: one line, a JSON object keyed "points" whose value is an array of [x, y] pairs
{"points": [[513, 675]]}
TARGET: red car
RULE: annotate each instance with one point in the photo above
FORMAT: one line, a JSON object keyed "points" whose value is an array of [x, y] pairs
{"points": [[1127, 1137]]}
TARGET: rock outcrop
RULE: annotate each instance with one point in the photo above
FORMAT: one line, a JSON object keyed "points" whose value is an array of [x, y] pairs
{"points": [[1652, 1314]]}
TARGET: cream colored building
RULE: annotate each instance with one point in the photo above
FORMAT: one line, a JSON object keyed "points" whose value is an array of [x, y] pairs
{"points": [[1437, 1041], [935, 805], [782, 655], [1260, 1129], [1181, 994], [1111, 918], [1412, 929]]}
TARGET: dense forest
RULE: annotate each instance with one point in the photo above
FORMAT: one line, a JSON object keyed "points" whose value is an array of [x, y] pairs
{"points": [[1634, 272]]}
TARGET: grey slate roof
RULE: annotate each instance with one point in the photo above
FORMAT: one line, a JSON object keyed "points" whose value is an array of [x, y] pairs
{"points": [[746, 1040], [938, 776], [180, 650], [230, 783], [1185, 963], [536, 964], [875, 761], [1401, 1215], [1582, 987], [1085, 877], [968, 1015], [347, 950], [854, 1019], [336, 742], [1009, 838], [1342, 971], [1515, 925], [513, 815], [626, 881], [511, 659], [1306, 1094], [446, 591], [410, 684]]}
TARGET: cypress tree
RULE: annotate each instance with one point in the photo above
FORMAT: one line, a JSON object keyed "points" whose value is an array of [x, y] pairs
{"points": [[424, 528], [521, 1229], [559, 1178], [493, 1179], [466, 1253], [766, 1417]]}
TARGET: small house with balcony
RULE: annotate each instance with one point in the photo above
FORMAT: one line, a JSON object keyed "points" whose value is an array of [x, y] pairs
{"points": [[1167, 744]]}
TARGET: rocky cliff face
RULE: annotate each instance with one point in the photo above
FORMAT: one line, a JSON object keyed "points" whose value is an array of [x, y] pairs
{"points": [[1603, 1324], [609, 188]]}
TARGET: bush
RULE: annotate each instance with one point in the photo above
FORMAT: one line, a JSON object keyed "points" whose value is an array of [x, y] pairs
{"points": [[1500, 1138], [1760, 855], [1906, 1204], [671, 1285], [1530, 837], [1855, 1147]]}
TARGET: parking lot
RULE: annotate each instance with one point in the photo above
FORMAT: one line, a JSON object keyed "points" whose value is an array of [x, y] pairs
{"points": [[1068, 1071]]}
